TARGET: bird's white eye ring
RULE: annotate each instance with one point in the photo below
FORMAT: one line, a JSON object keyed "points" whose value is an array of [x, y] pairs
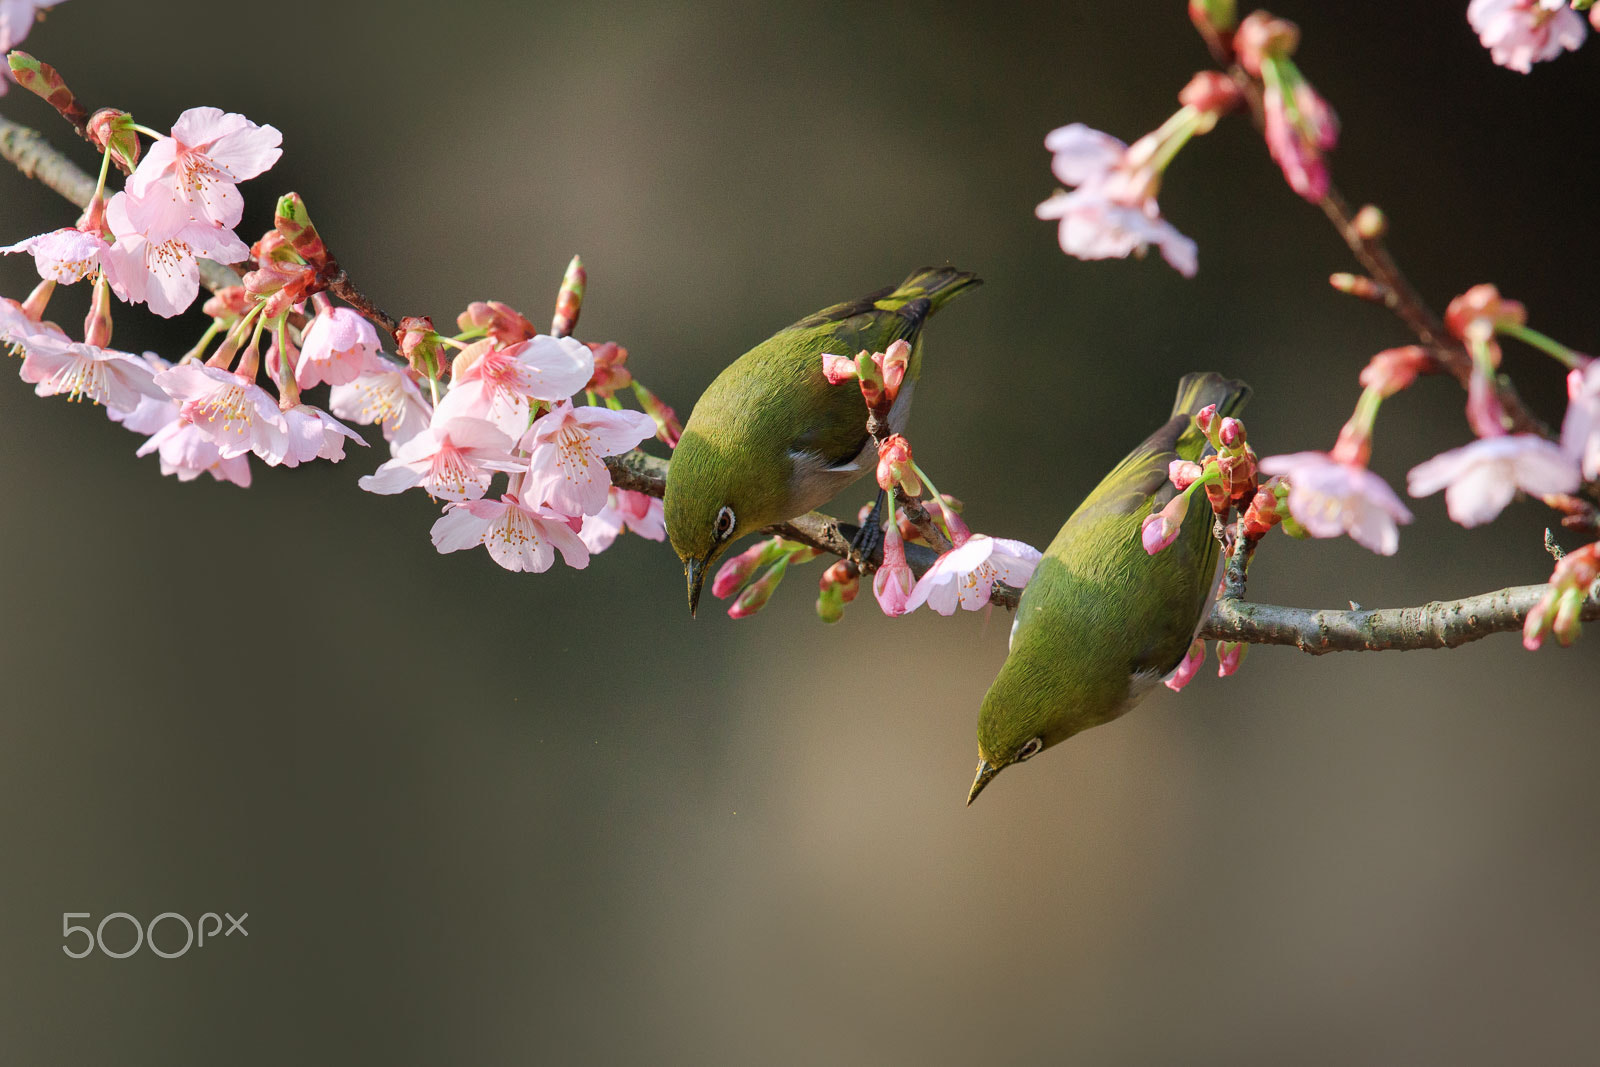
{"points": [[725, 522], [1030, 749]]}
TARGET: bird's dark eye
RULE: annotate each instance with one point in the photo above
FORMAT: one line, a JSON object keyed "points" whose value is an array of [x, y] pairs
{"points": [[724, 522], [1030, 749]]}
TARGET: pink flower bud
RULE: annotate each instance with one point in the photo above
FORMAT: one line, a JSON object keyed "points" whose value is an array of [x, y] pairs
{"points": [[895, 362], [1161, 528], [1230, 654], [895, 466], [870, 378], [228, 304], [892, 583], [1481, 310], [1183, 473], [1261, 37], [569, 299], [1232, 433], [112, 131], [500, 321], [757, 593], [419, 344], [838, 368], [1395, 369], [1185, 672], [1205, 417], [668, 429], [610, 374], [1210, 91], [737, 570]]}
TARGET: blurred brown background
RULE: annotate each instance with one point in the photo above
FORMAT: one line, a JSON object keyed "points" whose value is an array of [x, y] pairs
{"points": [[478, 817]]}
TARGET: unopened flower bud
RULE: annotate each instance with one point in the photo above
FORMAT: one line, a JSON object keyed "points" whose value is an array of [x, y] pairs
{"points": [[1359, 286], [870, 377], [1232, 433], [1481, 310], [500, 321], [895, 362], [1210, 91], [668, 429], [1183, 473], [838, 368], [1261, 36], [569, 300], [1568, 616], [610, 373], [228, 304], [293, 221], [895, 466], [1189, 667], [1161, 528], [1394, 369], [1230, 654], [1263, 513], [1371, 223], [1206, 418], [112, 131], [839, 585], [419, 345], [754, 597], [1238, 475]]}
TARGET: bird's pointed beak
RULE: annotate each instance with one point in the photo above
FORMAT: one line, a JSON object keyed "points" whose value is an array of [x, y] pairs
{"points": [[986, 773], [695, 571]]}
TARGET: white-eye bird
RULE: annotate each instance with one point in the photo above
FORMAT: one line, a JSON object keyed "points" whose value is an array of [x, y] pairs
{"points": [[770, 439], [1102, 620]]}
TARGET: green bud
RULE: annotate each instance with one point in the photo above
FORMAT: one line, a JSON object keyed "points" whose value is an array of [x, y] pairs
{"points": [[42, 80], [293, 222]]}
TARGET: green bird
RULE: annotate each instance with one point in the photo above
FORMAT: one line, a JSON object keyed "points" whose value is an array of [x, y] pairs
{"points": [[770, 439], [1102, 621]]}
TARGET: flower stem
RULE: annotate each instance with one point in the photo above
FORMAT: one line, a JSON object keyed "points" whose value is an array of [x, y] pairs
{"points": [[1548, 345]]}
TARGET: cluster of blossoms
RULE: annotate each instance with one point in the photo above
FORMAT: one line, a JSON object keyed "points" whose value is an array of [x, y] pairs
{"points": [[504, 404], [963, 575], [1520, 33]]}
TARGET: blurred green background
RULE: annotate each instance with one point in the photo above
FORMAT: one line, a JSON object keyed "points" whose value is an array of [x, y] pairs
{"points": [[478, 817]]}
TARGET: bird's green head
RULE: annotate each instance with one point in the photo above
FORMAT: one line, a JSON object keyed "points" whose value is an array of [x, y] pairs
{"points": [[712, 499], [1030, 707]]}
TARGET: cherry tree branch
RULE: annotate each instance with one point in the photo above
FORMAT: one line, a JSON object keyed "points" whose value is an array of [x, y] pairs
{"points": [[1442, 624]]}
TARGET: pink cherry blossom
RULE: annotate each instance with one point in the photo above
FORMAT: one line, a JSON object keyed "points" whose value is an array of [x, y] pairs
{"points": [[161, 269], [893, 581], [389, 397], [453, 459], [565, 469], [624, 509], [231, 410], [965, 575], [1520, 33], [1112, 213], [1330, 498], [65, 255], [56, 365], [504, 381], [1185, 671], [314, 434], [17, 329], [1580, 429], [155, 408], [16, 19], [187, 452], [193, 173], [1480, 479], [518, 537], [336, 348]]}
